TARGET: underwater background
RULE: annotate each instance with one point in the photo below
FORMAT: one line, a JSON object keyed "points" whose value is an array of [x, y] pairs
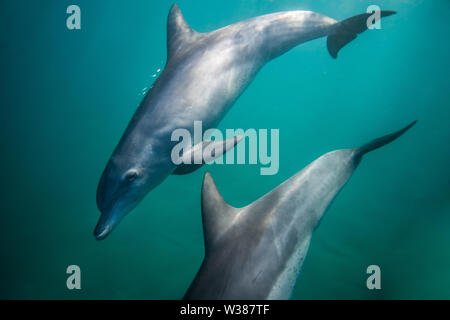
{"points": [[66, 97]]}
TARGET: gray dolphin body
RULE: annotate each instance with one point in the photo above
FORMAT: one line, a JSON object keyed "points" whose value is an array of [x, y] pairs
{"points": [[256, 252], [205, 73]]}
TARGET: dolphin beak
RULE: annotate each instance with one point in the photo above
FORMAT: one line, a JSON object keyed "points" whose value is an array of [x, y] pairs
{"points": [[101, 232], [106, 224]]}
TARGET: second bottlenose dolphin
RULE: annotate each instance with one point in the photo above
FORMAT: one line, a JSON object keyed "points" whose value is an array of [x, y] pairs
{"points": [[204, 75], [256, 252]]}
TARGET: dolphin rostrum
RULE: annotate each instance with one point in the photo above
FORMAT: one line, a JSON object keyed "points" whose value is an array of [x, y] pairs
{"points": [[256, 252], [204, 75]]}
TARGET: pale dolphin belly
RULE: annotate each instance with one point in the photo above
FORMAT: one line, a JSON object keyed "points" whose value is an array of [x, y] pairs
{"points": [[284, 286]]}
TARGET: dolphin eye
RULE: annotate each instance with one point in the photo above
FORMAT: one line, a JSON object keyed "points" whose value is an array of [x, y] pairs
{"points": [[130, 175]]}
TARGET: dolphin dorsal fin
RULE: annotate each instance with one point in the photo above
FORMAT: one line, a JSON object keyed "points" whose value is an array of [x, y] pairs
{"points": [[179, 33], [217, 215]]}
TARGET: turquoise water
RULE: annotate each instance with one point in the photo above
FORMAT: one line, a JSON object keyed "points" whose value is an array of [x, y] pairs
{"points": [[67, 97]]}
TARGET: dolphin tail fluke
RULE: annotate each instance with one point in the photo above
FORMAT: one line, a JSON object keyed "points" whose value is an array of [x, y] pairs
{"points": [[377, 143], [347, 30]]}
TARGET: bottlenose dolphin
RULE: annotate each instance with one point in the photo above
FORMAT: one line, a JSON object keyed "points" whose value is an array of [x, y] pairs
{"points": [[204, 75], [256, 252]]}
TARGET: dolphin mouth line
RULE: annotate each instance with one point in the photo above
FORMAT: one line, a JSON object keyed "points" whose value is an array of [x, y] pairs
{"points": [[114, 198], [111, 217], [106, 221], [103, 233]]}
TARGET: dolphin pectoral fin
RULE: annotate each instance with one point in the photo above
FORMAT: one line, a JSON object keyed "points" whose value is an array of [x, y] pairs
{"points": [[348, 29], [205, 152], [382, 141], [217, 215]]}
